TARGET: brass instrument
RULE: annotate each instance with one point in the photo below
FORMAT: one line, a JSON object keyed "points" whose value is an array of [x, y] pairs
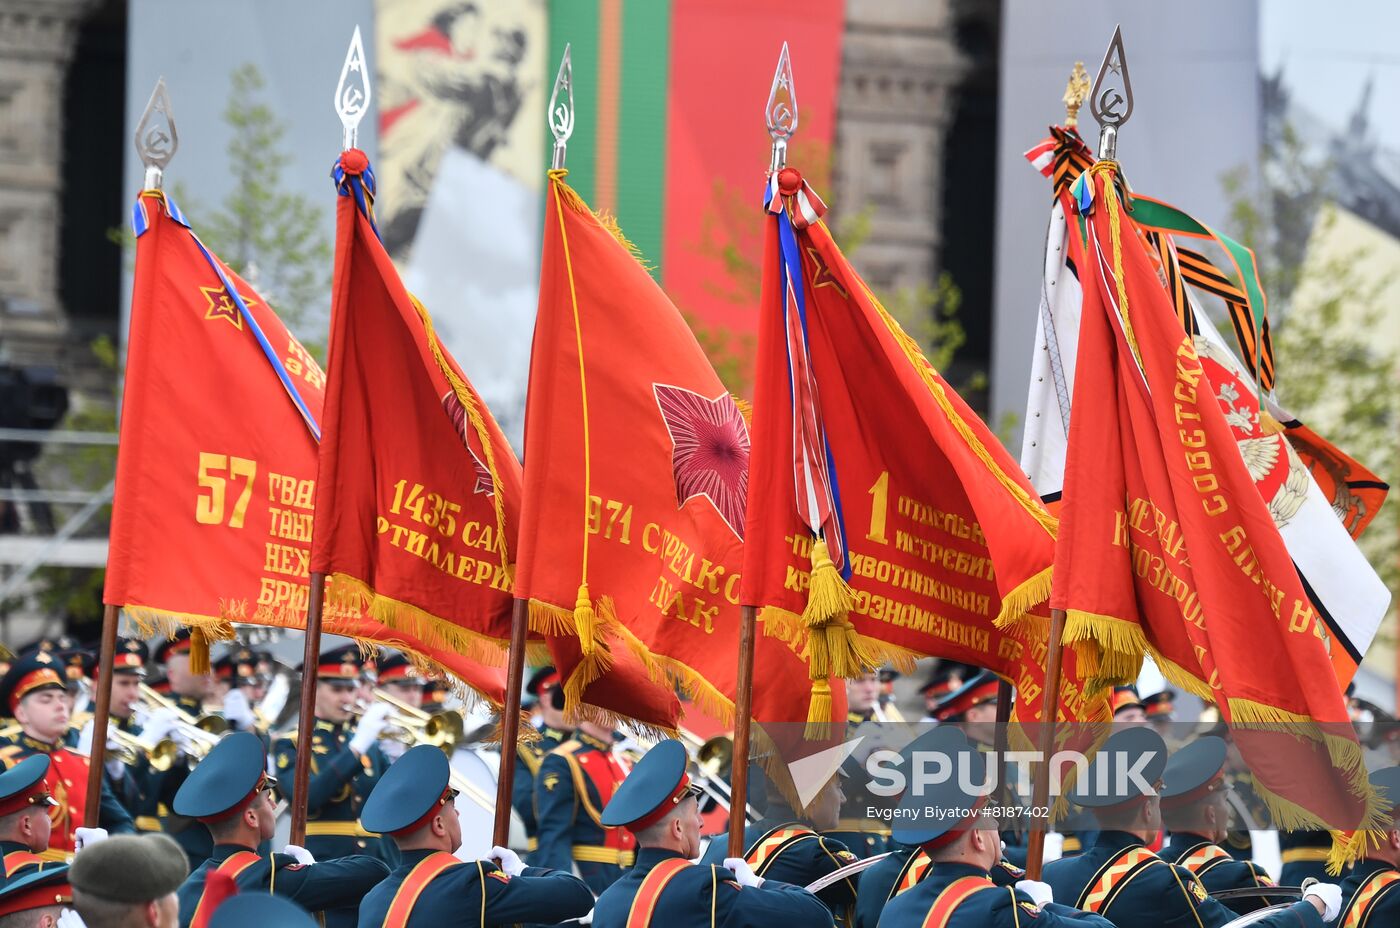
{"points": [[202, 733], [712, 762], [131, 748], [410, 725]]}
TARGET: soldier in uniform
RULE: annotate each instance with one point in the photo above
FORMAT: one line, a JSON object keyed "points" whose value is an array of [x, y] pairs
{"points": [[345, 762], [34, 692], [795, 849], [1371, 891], [237, 673], [885, 708], [1120, 878], [575, 782], [187, 692], [430, 888], [231, 792], [545, 686], [1196, 811], [40, 896], [658, 804], [946, 678], [861, 834], [133, 783], [947, 822], [24, 818], [129, 881], [397, 676]]}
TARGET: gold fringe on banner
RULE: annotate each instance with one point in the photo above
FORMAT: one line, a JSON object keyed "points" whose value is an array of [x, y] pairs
{"points": [[433, 631]]}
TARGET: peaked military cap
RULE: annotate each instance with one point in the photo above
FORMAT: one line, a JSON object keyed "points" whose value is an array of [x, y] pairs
{"points": [[38, 670], [342, 662], [262, 909], [409, 793], [541, 679], [656, 785], [41, 888], [78, 663], [398, 669], [1191, 771], [1126, 697], [934, 814], [178, 643], [229, 777], [1106, 782], [23, 785], [131, 657], [980, 689], [1159, 705]]}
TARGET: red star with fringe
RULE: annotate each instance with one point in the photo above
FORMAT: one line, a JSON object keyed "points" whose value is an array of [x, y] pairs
{"points": [[709, 450], [221, 306]]}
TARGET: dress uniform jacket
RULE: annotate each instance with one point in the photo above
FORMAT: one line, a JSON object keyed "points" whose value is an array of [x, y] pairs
{"points": [[1370, 896], [901, 871], [862, 835], [705, 896], [575, 781], [339, 784], [17, 860], [791, 852], [474, 893], [971, 900], [333, 886], [67, 783], [1304, 856], [1124, 881], [527, 766], [191, 835], [1218, 870]]}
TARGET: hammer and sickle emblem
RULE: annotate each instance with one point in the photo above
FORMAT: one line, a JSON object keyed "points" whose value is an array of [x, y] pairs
{"points": [[1109, 101]]}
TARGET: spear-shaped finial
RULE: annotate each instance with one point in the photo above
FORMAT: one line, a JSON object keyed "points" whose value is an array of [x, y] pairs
{"points": [[156, 139], [352, 93], [1112, 100], [561, 110], [1075, 93], [781, 113]]}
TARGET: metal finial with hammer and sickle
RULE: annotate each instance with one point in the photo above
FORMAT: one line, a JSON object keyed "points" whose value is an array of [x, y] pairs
{"points": [[561, 111], [1112, 99], [352, 93], [156, 139], [781, 113], [1076, 91]]}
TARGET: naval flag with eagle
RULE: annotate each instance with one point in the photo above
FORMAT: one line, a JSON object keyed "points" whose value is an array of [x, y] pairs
{"points": [[636, 485], [885, 519], [211, 521], [1166, 545], [417, 491], [1316, 494]]}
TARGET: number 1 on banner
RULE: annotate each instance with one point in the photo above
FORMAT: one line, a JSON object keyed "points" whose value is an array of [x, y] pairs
{"points": [[209, 510], [879, 509]]}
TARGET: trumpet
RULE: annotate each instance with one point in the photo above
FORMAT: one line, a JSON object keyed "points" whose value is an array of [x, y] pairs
{"points": [[201, 734], [410, 725], [131, 748]]}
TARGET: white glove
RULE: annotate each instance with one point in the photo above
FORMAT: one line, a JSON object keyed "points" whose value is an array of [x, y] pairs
{"points": [[391, 749], [238, 712], [300, 854], [367, 732], [85, 740], [1040, 893], [1330, 895], [159, 724], [69, 919], [509, 860], [742, 871], [87, 837], [114, 766]]}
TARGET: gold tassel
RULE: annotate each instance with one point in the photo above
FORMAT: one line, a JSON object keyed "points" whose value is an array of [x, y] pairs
{"points": [[199, 651], [585, 621], [829, 596], [819, 711]]}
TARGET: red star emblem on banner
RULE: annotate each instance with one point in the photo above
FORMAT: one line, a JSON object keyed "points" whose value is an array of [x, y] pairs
{"points": [[221, 306], [821, 274], [709, 450]]}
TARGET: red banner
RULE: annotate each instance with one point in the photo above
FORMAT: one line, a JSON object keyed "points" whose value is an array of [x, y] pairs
{"points": [[216, 474], [417, 489], [1165, 546], [948, 548], [632, 532]]}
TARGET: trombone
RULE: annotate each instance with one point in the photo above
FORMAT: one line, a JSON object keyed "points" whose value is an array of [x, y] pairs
{"points": [[410, 725]]}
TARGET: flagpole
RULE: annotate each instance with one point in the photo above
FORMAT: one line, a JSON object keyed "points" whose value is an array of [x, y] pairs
{"points": [[97, 756], [743, 712], [1040, 785], [306, 720], [156, 142], [510, 722]]}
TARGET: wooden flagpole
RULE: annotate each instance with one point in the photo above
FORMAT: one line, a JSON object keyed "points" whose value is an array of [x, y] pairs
{"points": [[306, 721], [743, 710], [1040, 785], [103, 698], [510, 722]]}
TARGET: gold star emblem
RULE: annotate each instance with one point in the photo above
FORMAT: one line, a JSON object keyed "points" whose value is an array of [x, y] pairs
{"points": [[43, 657], [821, 274], [221, 306]]}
